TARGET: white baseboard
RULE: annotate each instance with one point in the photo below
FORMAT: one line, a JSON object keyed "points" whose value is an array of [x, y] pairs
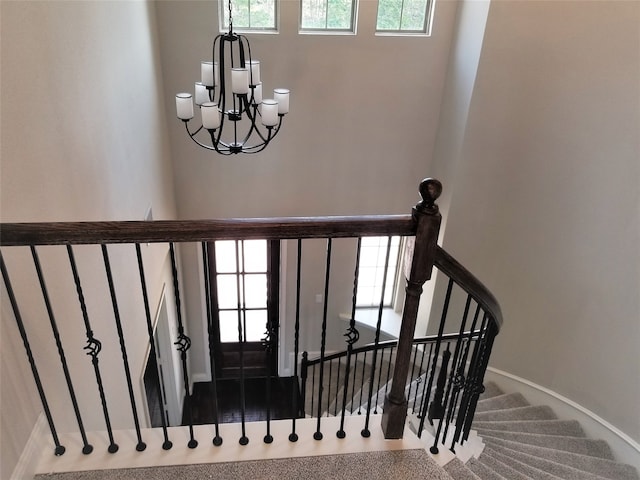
{"points": [[26, 466], [624, 448]]}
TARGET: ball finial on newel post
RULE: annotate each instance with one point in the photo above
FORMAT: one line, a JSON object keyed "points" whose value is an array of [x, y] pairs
{"points": [[430, 189]]}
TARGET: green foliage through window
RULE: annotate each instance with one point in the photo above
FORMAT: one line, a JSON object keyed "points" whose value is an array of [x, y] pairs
{"points": [[335, 15], [404, 16], [249, 14]]}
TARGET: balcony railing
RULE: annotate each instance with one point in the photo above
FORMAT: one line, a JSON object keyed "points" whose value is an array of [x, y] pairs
{"points": [[94, 288]]}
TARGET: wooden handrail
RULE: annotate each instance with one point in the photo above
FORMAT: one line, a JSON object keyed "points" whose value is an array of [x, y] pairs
{"points": [[62, 233], [82, 233], [470, 284]]}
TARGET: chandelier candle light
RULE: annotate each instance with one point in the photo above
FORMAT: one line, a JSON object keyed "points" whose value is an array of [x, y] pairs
{"points": [[245, 108]]}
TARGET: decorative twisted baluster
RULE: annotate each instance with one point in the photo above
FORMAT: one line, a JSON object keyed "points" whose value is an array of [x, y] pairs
{"points": [[443, 320], [352, 336], [365, 431], [267, 343], [293, 436], [471, 385], [183, 344], [93, 348], [217, 439], [60, 449], [167, 444], [458, 380], [323, 343], [86, 448], [123, 349]]}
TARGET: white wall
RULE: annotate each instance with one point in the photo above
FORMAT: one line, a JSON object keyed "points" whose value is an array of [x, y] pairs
{"points": [[546, 206], [83, 138], [358, 139]]}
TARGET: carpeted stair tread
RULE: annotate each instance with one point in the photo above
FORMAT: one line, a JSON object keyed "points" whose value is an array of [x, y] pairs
{"points": [[459, 471], [543, 412], [501, 402], [555, 461], [523, 468], [582, 446], [483, 471], [501, 468], [566, 428]]}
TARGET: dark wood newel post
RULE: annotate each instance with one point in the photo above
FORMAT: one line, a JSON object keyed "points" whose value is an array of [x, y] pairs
{"points": [[419, 258]]}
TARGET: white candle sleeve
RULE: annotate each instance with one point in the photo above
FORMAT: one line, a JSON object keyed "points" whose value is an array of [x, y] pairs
{"points": [[207, 74], [184, 106], [202, 94], [210, 115], [240, 80], [269, 113], [254, 69], [281, 95], [257, 94]]}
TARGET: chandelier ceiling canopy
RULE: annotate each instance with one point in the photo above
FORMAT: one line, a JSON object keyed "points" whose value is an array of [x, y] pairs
{"points": [[234, 116]]}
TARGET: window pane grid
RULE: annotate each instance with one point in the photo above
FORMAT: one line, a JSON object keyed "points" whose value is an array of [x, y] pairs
{"points": [[241, 283], [255, 15], [404, 16], [371, 271], [327, 15]]}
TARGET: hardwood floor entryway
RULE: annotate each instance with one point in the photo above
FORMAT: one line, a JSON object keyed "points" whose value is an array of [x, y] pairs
{"points": [[283, 390]]}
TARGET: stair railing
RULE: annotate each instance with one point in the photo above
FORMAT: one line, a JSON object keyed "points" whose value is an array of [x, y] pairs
{"points": [[459, 391]]}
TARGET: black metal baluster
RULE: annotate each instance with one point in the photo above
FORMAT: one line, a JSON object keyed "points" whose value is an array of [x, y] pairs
{"points": [[419, 379], [443, 320], [424, 399], [364, 365], [436, 409], [86, 448], [217, 439], [293, 436], [478, 386], [183, 344], [304, 369], [470, 384], [60, 449], [452, 381], [353, 383], [335, 411], [267, 342], [386, 385], [167, 444], [313, 386], [375, 409], [365, 431], [123, 349], [352, 337], [93, 348], [318, 435], [244, 440], [414, 377], [329, 386]]}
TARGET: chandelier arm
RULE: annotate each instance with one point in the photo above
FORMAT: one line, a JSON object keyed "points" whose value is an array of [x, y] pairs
{"points": [[220, 39], [272, 131], [215, 142], [258, 148]]}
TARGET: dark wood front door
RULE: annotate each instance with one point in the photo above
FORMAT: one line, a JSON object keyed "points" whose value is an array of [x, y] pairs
{"points": [[244, 285]]}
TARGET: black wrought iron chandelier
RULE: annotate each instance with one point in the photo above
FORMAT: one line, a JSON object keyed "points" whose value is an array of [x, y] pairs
{"points": [[244, 122]]}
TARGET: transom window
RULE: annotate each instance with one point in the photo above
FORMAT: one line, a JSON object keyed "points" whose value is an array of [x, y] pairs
{"points": [[371, 271], [404, 16], [249, 15], [328, 15]]}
